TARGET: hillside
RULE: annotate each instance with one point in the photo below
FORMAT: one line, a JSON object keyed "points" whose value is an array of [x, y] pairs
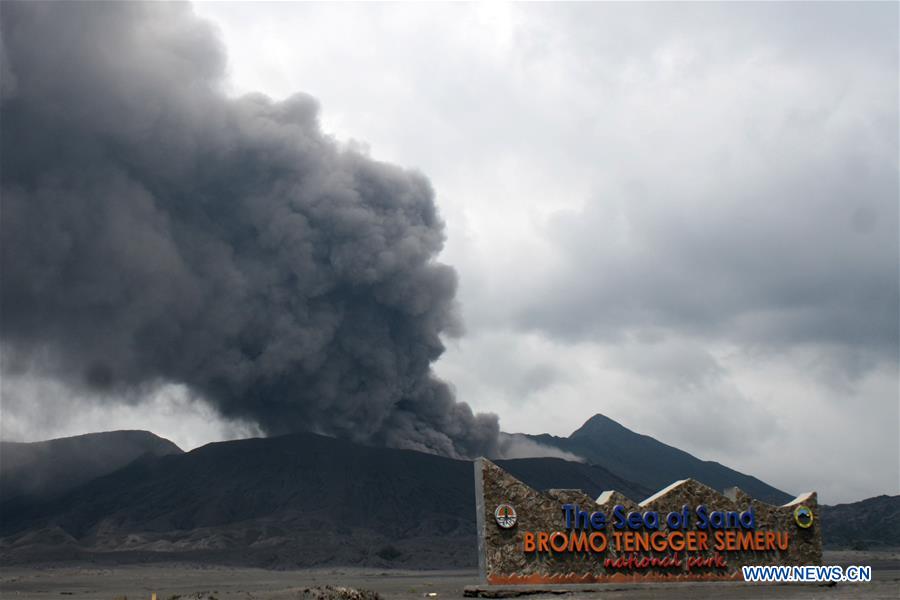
{"points": [[39, 470], [866, 525], [295, 500], [305, 500]]}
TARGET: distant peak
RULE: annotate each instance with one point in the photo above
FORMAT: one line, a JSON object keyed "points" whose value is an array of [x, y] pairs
{"points": [[108, 434], [117, 436], [599, 423], [599, 418]]}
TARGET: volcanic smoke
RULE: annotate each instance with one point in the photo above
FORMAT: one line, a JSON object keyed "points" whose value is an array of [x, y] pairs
{"points": [[156, 231]]}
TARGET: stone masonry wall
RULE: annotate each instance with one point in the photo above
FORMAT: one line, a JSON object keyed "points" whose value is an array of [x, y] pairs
{"points": [[504, 561]]}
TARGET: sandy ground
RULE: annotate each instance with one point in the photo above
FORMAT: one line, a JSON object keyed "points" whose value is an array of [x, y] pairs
{"points": [[184, 582]]}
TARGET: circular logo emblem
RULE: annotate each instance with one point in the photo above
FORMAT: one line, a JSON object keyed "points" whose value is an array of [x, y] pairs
{"points": [[505, 515], [803, 517]]}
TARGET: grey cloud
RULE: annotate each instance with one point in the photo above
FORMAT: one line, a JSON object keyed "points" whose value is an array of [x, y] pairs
{"points": [[516, 445], [766, 215], [777, 264], [156, 232]]}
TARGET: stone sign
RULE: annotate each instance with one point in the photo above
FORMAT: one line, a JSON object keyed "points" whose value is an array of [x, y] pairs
{"points": [[686, 531]]}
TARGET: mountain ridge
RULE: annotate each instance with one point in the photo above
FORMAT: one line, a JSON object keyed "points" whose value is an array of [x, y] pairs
{"points": [[650, 462], [304, 500], [287, 501], [52, 467]]}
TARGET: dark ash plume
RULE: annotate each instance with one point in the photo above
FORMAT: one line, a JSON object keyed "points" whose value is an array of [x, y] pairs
{"points": [[155, 231]]}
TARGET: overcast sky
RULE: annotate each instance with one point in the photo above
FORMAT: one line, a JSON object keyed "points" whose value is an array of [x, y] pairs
{"points": [[683, 216]]}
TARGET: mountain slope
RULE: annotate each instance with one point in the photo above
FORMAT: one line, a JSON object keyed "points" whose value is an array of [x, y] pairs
{"points": [[306, 500], [868, 524], [40, 470], [295, 500], [650, 462]]}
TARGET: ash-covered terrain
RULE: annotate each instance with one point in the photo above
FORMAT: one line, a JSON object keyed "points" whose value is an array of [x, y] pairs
{"points": [[304, 500], [293, 500]]}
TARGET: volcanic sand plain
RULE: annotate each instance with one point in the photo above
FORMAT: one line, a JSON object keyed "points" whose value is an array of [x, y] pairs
{"points": [[196, 582]]}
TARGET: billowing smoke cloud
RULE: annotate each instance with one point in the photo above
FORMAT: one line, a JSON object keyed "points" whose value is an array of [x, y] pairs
{"points": [[155, 231], [516, 445]]}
